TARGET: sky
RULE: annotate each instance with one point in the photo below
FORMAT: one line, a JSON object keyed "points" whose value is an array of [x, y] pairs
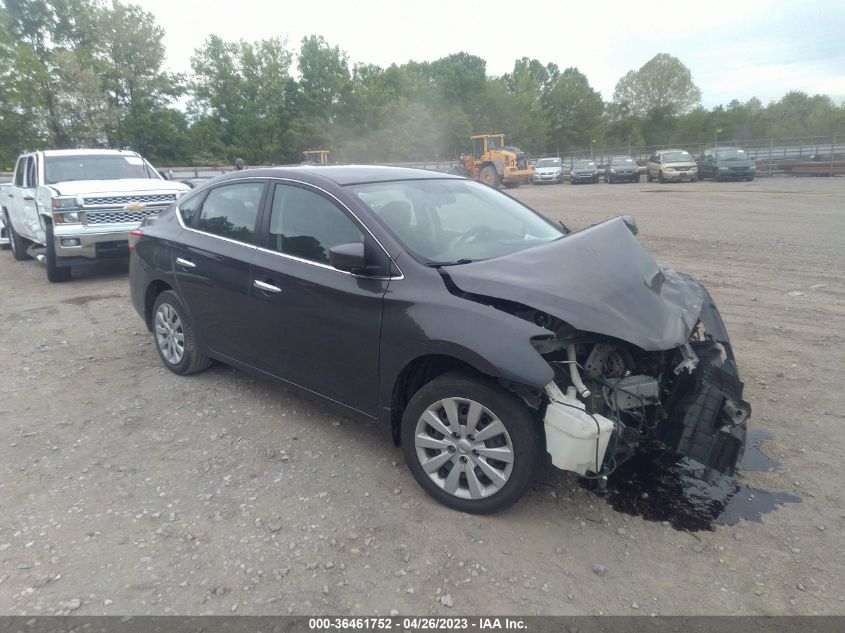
{"points": [[735, 49]]}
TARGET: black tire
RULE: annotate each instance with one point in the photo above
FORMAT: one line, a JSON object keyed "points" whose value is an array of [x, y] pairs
{"points": [[750, 179], [523, 429], [489, 176], [660, 177], [192, 360], [55, 273], [17, 244], [512, 185]]}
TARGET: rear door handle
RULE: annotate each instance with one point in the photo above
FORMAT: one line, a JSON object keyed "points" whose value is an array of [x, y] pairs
{"points": [[266, 287], [186, 263]]}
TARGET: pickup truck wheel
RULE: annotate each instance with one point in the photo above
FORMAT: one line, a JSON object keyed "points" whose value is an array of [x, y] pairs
{"points": [[17, 244], [470, 444], [175, 339], [55, 273]]}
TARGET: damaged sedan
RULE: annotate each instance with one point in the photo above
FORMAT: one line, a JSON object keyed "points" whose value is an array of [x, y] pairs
{"points": [[485, 338]]}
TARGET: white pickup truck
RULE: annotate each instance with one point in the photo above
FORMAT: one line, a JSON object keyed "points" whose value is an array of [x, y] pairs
{"points": [[74, 207]]}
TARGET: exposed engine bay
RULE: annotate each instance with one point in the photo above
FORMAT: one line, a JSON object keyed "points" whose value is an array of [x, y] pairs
{"points": [[617, 398]]}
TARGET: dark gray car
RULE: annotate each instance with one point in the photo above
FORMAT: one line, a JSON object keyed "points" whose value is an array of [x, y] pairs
{"points": [[726, 163], [621, 169], [584, 171], [485, 338]]}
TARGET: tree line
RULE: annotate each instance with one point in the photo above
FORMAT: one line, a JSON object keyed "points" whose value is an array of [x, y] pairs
{"points": [[84, 73]]}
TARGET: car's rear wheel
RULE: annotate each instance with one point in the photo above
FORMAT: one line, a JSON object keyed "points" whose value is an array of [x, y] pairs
{"points": [[17, 244], [175, 338], [470, 444], [55, 272]]}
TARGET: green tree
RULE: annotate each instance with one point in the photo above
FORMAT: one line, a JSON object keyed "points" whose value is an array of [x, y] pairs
{"points": [[662, 82], [131, 60], [242, 97], [574, 110]]}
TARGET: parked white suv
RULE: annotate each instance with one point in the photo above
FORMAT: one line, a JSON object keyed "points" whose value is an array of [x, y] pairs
{"points": [[73, 207]]}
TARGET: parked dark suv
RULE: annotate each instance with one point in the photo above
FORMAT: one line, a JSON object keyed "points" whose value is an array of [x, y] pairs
{"points": [[726, 163], [485, 337]]}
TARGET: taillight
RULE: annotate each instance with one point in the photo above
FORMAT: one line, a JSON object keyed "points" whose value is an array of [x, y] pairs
{"points": [[134, 236]]}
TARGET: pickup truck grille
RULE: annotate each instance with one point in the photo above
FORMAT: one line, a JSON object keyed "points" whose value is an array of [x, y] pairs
{"points": [[108, 201], [115, 217]]}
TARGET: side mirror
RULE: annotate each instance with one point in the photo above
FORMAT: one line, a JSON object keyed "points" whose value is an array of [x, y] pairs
{"points": [[631, 223], [348, 257]]}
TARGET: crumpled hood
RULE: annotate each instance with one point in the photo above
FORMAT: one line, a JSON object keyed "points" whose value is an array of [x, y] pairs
{"points": [[598, 280], [117, 187]]}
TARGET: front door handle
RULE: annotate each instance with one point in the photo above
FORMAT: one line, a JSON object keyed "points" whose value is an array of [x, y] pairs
{"points": [[29, 197], [266, 287], [186, 263]]}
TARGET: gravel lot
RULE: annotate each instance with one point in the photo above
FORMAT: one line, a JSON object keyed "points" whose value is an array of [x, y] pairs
{"points": [[127, 490]]}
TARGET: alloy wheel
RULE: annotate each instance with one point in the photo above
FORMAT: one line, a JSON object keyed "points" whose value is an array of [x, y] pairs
{"points": [[170, 334], [464, 448]]}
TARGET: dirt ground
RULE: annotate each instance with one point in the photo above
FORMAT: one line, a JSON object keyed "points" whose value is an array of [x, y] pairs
{"points": [[127, 490]]}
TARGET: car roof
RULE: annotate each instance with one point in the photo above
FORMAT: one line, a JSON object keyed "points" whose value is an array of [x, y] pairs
{"points": [[342, 174], [88, 152]]}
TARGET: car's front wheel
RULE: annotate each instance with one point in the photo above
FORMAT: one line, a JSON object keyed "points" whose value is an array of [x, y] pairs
{"points": [[175, 338], [55, 272], [470, 444]]}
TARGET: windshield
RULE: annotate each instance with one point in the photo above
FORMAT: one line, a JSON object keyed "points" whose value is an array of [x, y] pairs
{"points": [[548, 162], [584, 164], [676, 157], [455, 221], [731, 154], [622, 160], [95, 167]]}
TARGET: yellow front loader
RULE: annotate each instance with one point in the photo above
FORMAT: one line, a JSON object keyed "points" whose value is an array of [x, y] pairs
{"points": [[494, 163]]}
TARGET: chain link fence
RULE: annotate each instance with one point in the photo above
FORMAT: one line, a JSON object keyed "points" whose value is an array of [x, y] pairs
{"points": [[799, 156]]}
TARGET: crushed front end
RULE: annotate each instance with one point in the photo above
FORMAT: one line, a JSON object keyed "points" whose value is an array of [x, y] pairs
{"points": [[609, 398]]}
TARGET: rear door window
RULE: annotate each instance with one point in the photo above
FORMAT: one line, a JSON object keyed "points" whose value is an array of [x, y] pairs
{"points": [[20, 172], [30, 172], [231, 211]]}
